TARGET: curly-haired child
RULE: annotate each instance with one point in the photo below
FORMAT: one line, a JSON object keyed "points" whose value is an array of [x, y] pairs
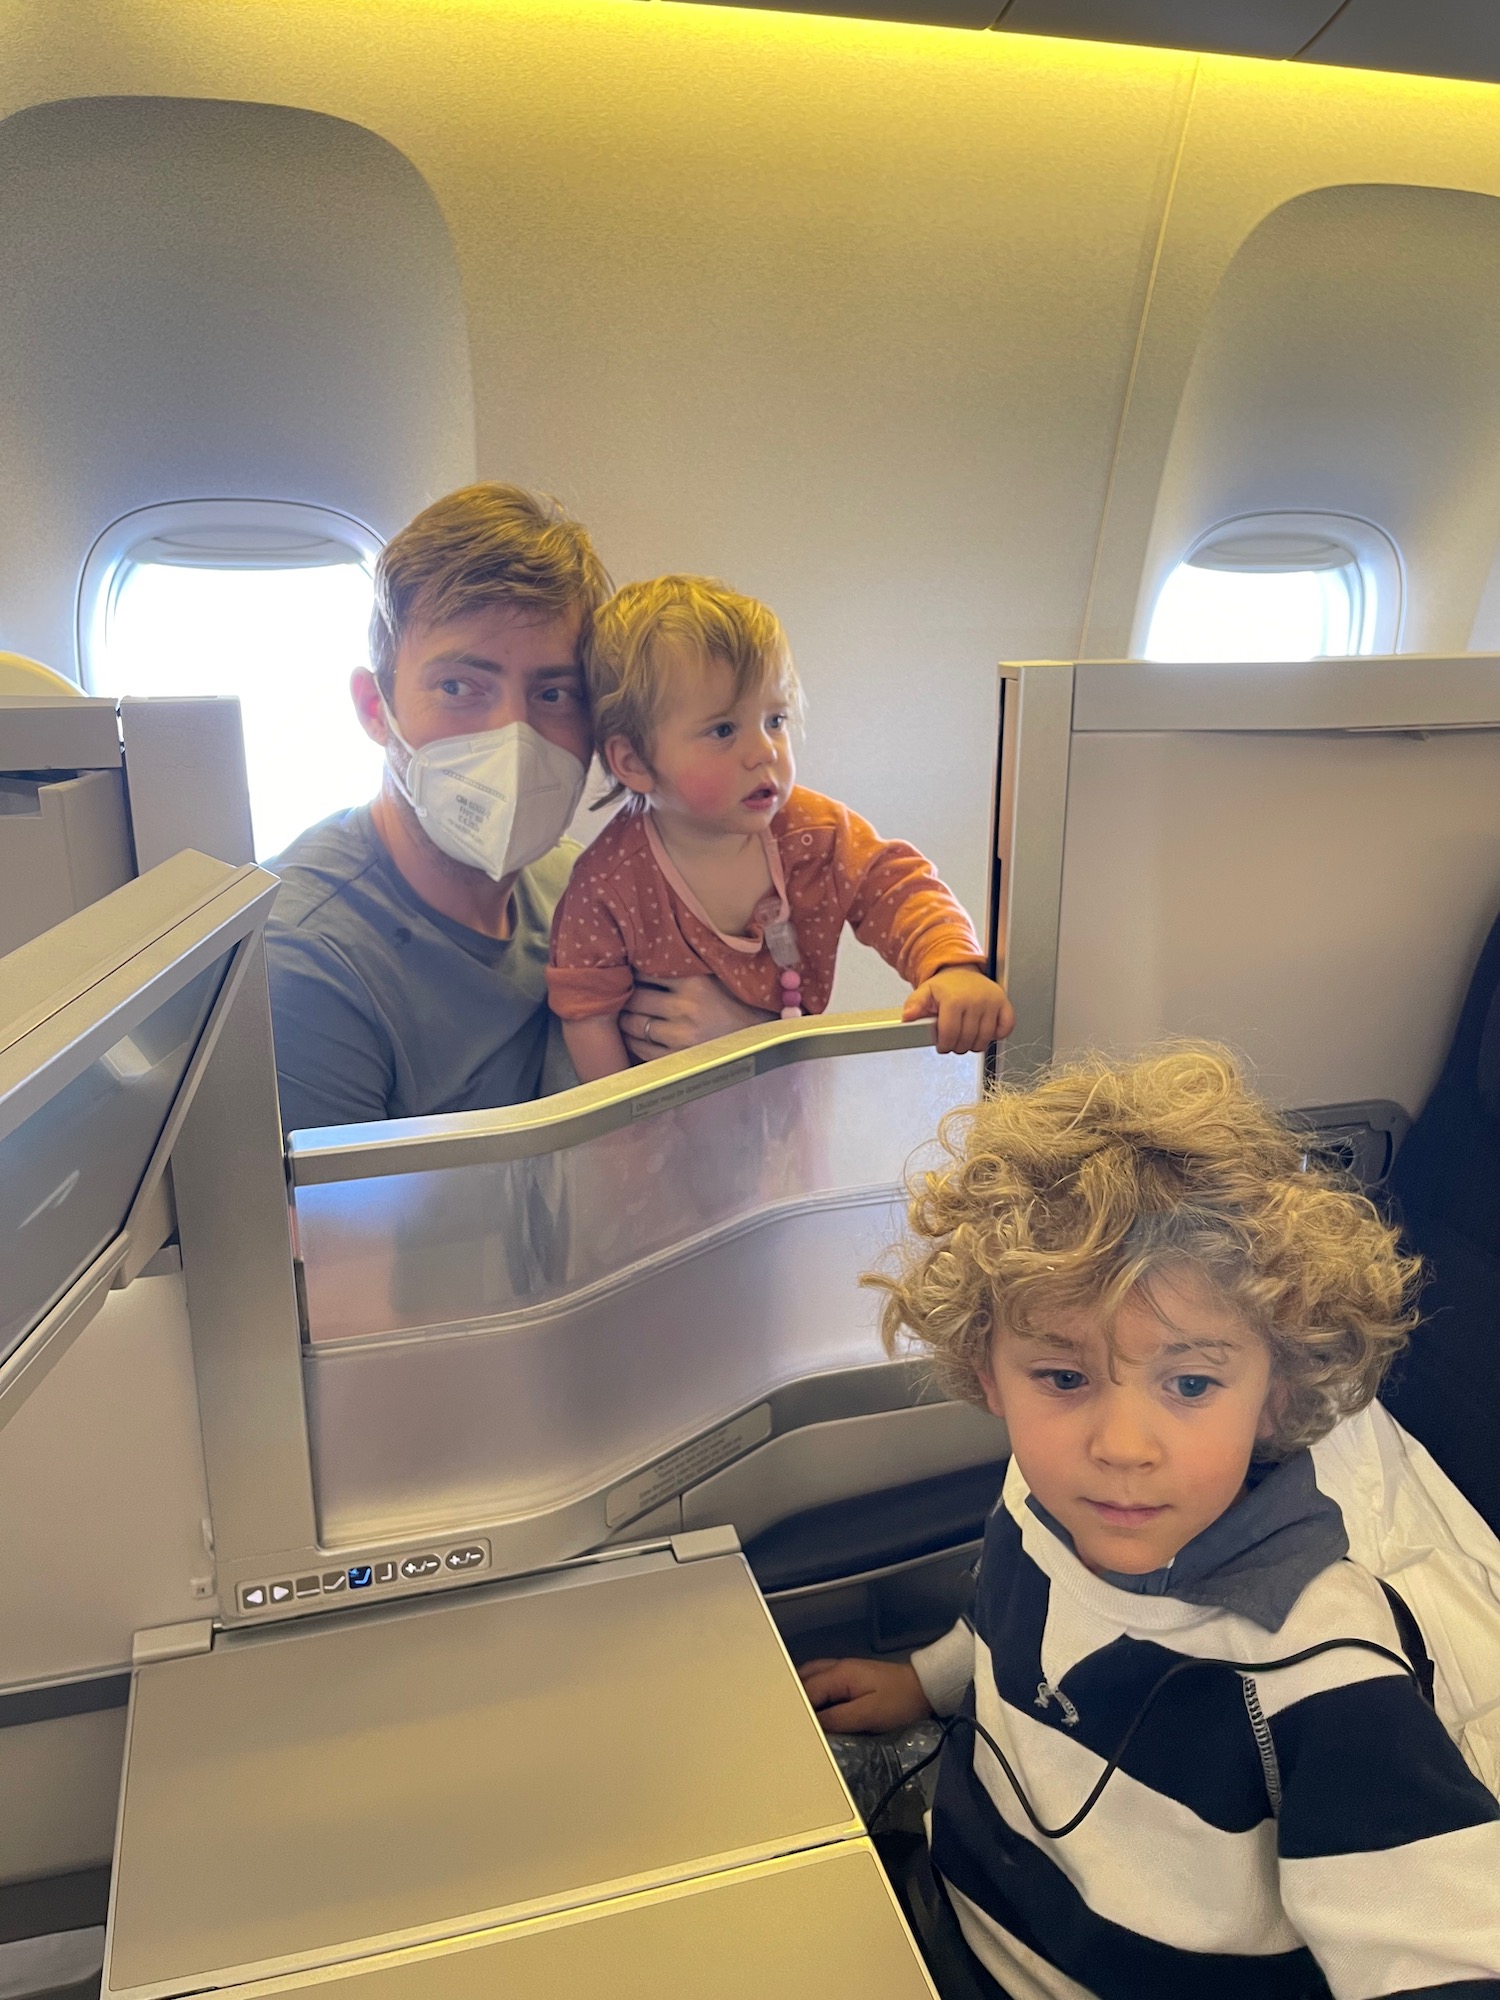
{"points": [[720, 862], [1140, 1270]]}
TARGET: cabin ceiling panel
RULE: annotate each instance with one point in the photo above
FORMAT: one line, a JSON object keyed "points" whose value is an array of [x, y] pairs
{"points": [[1457, 38], [1226, 27], [923, 13]]}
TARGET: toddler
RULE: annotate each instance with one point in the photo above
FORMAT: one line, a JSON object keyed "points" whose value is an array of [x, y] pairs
{"points": [[1136, 1267], [720, 862]]}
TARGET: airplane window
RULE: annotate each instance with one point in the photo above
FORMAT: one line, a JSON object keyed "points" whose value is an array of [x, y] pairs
{"points": [[219, 614], [1278, 592]]}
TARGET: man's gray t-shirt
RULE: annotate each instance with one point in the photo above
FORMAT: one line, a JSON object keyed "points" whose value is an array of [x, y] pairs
{"points": [[383, 1008]]}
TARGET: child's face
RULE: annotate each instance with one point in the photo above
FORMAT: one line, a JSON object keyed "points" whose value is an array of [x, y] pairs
{"points": [[1135, 1451], [722, 765]]}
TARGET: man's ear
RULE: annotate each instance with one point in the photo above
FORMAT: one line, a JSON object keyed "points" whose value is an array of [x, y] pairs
{"points": [[368, 705], [627, 766]]}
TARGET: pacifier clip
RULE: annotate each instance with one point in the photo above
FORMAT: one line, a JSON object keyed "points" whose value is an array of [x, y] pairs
{"points": [[779, 934]]}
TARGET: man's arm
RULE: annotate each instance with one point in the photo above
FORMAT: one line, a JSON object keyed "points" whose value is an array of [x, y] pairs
{"points": [[333, 1059]]}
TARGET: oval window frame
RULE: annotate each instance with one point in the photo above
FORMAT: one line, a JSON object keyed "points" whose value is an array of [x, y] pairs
{"points": [[209, 534], [1376, 557]]}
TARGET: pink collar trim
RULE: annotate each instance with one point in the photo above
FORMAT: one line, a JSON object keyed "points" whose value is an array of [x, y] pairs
{"points": [[675, 882]]}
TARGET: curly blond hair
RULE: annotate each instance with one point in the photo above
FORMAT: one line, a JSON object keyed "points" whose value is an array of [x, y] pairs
{"points": [[1078, 1190], [634, 641]]}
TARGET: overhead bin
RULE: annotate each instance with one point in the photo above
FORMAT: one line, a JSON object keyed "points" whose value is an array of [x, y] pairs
{"points": [[106, 1022]]}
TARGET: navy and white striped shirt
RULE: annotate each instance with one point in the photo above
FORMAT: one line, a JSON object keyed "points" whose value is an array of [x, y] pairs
{"points": [[1378, 1870]]}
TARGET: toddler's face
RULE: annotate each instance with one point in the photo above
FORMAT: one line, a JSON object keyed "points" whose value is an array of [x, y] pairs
{"points": [[1137, 1448], [724, 765]]}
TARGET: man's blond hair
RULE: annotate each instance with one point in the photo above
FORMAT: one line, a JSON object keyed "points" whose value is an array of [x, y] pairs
{"points": [[646, 629], [1083, 1188], [482, 546]]}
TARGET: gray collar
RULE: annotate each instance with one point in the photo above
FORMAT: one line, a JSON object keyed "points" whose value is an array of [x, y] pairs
{"points": [[1257, 1558]]}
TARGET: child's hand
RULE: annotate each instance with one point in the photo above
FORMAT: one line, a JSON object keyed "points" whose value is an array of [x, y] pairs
{"points": [[972, 1010], [864, 1696]]}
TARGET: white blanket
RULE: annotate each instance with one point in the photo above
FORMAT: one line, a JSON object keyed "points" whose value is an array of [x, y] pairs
{"points": [[1409, 1523]]}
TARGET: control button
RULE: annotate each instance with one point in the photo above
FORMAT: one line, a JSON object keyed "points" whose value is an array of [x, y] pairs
{"points": [[253, 1597], [333, 1579], [280, 1592], [385, 1572], [360, 1577], [309, 1586], [420, 1566], [468, 1557]]}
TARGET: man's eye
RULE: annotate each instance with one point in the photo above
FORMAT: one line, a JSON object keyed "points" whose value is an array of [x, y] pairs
{"points": [[1193, 1388], [1063, 1379], [453, 688], [557, 697]]}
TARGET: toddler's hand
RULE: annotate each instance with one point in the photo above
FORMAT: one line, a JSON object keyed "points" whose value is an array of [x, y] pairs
{"points": [[864, 1696], [972, 1010]]}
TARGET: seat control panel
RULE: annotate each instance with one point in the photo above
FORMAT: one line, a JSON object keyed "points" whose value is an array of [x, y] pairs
{"points": [[438, 1560]]}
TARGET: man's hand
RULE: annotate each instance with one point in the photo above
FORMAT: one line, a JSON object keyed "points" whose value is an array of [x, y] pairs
{"points": [[676, 1014], [864, 1696], [972, 1010]]}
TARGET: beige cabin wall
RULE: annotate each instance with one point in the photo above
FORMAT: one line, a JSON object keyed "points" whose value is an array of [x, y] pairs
{"points": [[843, 313], [890, 325], [1260, 135]]}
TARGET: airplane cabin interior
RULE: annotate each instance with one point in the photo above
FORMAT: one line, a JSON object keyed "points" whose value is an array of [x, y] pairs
{"points": [[1106, 395]]}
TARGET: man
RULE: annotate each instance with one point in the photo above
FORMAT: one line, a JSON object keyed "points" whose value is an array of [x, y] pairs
{"points": [[408, 946]]}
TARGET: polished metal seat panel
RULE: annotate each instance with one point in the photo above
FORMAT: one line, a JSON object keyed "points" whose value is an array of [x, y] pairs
{"points": [[817, 1926], [493, 1340], [301, 1796], [404, 1251], [495, 1422]]}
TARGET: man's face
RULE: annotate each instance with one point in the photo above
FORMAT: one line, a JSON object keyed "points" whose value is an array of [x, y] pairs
{"points": [[489, 668], [1137, 1446]]}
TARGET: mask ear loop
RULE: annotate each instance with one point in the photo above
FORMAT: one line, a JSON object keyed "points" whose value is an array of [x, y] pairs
{"points": [[394, 735]]}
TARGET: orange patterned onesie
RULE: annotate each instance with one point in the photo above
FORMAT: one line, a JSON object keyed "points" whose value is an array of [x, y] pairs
{"points": [[620, 919]]}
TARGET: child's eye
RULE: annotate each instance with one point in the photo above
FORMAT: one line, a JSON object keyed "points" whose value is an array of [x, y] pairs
{"points": [[720, 731], [776, 722], [1064, 1380], [1193, 1388]]}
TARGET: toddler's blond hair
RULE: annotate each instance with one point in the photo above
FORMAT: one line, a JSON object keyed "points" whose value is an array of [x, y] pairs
{"points": [[1084, 1187], [645, 629]]}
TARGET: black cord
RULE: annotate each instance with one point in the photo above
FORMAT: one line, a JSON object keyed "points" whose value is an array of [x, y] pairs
{"points": [[953, 1722]]}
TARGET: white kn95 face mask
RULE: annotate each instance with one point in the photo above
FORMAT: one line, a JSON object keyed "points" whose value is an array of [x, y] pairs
{"points": [[498, 800]]}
